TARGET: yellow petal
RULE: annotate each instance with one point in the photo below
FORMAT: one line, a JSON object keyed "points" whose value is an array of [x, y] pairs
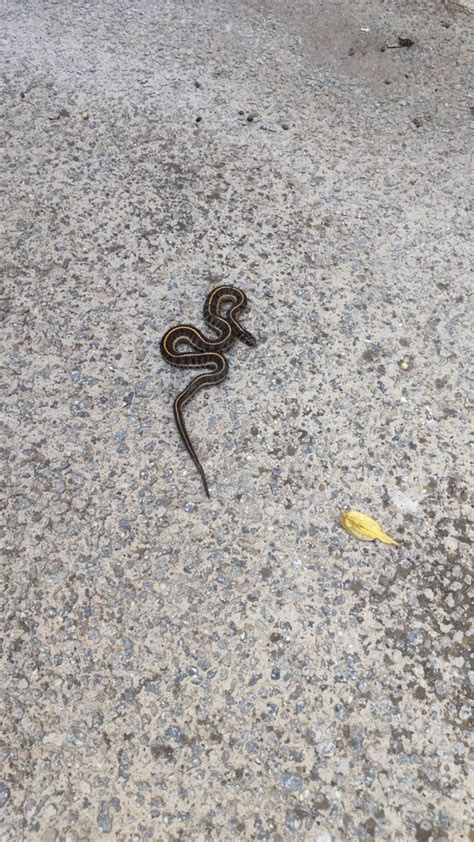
{"points": [[364, 528]]}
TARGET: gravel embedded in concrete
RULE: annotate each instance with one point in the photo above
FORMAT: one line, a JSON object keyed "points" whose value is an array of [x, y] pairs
{"points": [[185, 669]]}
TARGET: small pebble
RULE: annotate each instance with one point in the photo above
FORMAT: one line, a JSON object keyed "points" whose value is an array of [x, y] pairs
{"points": [[291, 782], [104, 821], [4, 794], [322, 836]]}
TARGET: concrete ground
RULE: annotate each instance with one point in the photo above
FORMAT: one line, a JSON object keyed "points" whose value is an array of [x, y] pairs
{"points": [[178, 668]]}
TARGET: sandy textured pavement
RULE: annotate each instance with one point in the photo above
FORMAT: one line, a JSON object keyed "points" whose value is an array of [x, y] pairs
{"points": [[177, 668]]}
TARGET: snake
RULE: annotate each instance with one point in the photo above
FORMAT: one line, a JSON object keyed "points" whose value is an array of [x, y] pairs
{"points": [[205, 353]]}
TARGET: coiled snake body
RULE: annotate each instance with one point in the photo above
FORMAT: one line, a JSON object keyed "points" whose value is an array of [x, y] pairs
{"points": [[205, 353]]}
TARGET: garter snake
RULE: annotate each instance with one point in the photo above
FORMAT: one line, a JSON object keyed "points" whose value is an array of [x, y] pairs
{"points": [[205, 353]]}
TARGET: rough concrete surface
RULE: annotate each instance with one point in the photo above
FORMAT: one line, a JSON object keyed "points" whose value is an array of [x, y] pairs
{"points": [[178, 668]]}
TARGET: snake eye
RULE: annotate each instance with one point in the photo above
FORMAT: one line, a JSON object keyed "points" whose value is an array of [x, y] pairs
{"points": [[247, 337]]}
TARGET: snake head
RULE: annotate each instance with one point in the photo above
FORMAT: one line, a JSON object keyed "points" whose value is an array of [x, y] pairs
{"points": [[247, 337]]}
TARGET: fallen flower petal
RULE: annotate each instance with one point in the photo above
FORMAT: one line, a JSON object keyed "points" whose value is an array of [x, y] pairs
{"points": [[364, 528]]}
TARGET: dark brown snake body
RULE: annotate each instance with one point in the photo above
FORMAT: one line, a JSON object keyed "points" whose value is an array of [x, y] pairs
{"points": [[205, 353]]}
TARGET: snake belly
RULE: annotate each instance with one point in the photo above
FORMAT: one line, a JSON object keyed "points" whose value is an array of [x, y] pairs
{"points": [[205, 353]]}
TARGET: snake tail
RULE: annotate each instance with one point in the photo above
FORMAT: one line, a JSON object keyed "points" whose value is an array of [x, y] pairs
{"points": [[180, 401]]}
